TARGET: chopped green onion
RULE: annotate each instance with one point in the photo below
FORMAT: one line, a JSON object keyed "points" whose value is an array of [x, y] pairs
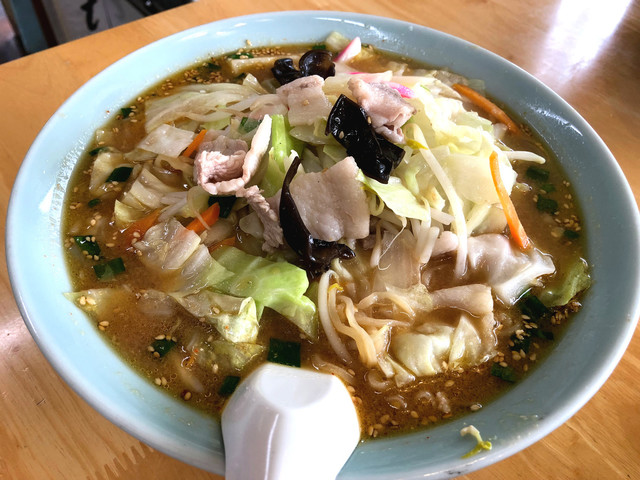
{"points": [[505, 373], [543, 334], [548, 187], [523, 343], [94, 202], [249, 124], [538, 174], [229, 385], [87, 245], [225, 202], [240, 56], [126, 111], [532, 307], [108, 270], [571, 234], [119, 174], [546, 204], [212, 66], [284, 353], [162, 346], [320, 46]]}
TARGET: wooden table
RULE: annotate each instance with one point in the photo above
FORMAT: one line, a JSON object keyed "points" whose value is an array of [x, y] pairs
{"points": [[588, 52]]}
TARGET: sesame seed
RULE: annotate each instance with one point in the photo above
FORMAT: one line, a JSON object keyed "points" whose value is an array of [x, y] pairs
{"points": [[104, 323], [187, 395], [475, 407], [449, 383], [504, 364], [160, 337], [158, 381], [414, 414]]}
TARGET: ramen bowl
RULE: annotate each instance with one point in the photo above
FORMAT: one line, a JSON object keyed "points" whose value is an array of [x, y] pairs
{"points": [[580, 360]]}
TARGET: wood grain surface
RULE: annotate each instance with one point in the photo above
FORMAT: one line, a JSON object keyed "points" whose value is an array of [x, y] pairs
{"points": [[587, 51]]}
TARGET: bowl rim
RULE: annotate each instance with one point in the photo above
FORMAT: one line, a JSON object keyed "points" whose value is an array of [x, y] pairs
{"points": [[20, 285]]}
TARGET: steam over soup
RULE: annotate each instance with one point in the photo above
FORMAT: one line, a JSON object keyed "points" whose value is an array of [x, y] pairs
{"points": [[351, 212]]}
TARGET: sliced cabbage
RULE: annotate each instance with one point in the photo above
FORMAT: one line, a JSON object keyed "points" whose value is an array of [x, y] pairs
{"points": [[105, 163], [166, 140], [471, 177], [280, 286], [146, 192], [434, 348], [397, 197], [234, 318], [193, 101], [575, 280], [167, 246], [227, 354]]}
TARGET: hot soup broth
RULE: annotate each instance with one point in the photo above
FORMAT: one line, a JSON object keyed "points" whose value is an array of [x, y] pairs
{"points": [[387, 261]]}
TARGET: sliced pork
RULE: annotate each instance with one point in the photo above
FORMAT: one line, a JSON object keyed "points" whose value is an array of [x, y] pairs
{"points": [[229, 166], [384, 105], [268, 217], [332, 203], [306, 100]]}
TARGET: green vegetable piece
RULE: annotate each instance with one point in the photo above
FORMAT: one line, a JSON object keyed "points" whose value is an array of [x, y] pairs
{"points": [[126, 111], [249, 124], [504, 373], [531, 306], [523, 343], [543, 334], [229, 385], [226, 204], [108, 270], [119, 174], [87, 245], [94, 202], [96, 151], [571, 234], [538, 174], [545, 204], [548, 187], [320, 46], [163, 346], [284, 353], [212, 66], [240, 56]]}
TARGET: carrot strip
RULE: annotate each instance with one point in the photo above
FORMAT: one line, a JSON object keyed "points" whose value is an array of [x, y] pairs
{"points": [[195, 143], [487, 105], [138, 228], [210, 216], [515, 227]]}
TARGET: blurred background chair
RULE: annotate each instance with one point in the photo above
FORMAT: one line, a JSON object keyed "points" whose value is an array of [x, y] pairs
{"points": [[28, 26]]}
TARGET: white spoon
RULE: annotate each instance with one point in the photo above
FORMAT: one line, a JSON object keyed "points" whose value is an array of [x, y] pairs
{"points": [[286, 423]]}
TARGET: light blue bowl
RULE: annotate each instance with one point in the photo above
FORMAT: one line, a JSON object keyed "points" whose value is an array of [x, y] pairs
{"points": [[580, 362]]}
